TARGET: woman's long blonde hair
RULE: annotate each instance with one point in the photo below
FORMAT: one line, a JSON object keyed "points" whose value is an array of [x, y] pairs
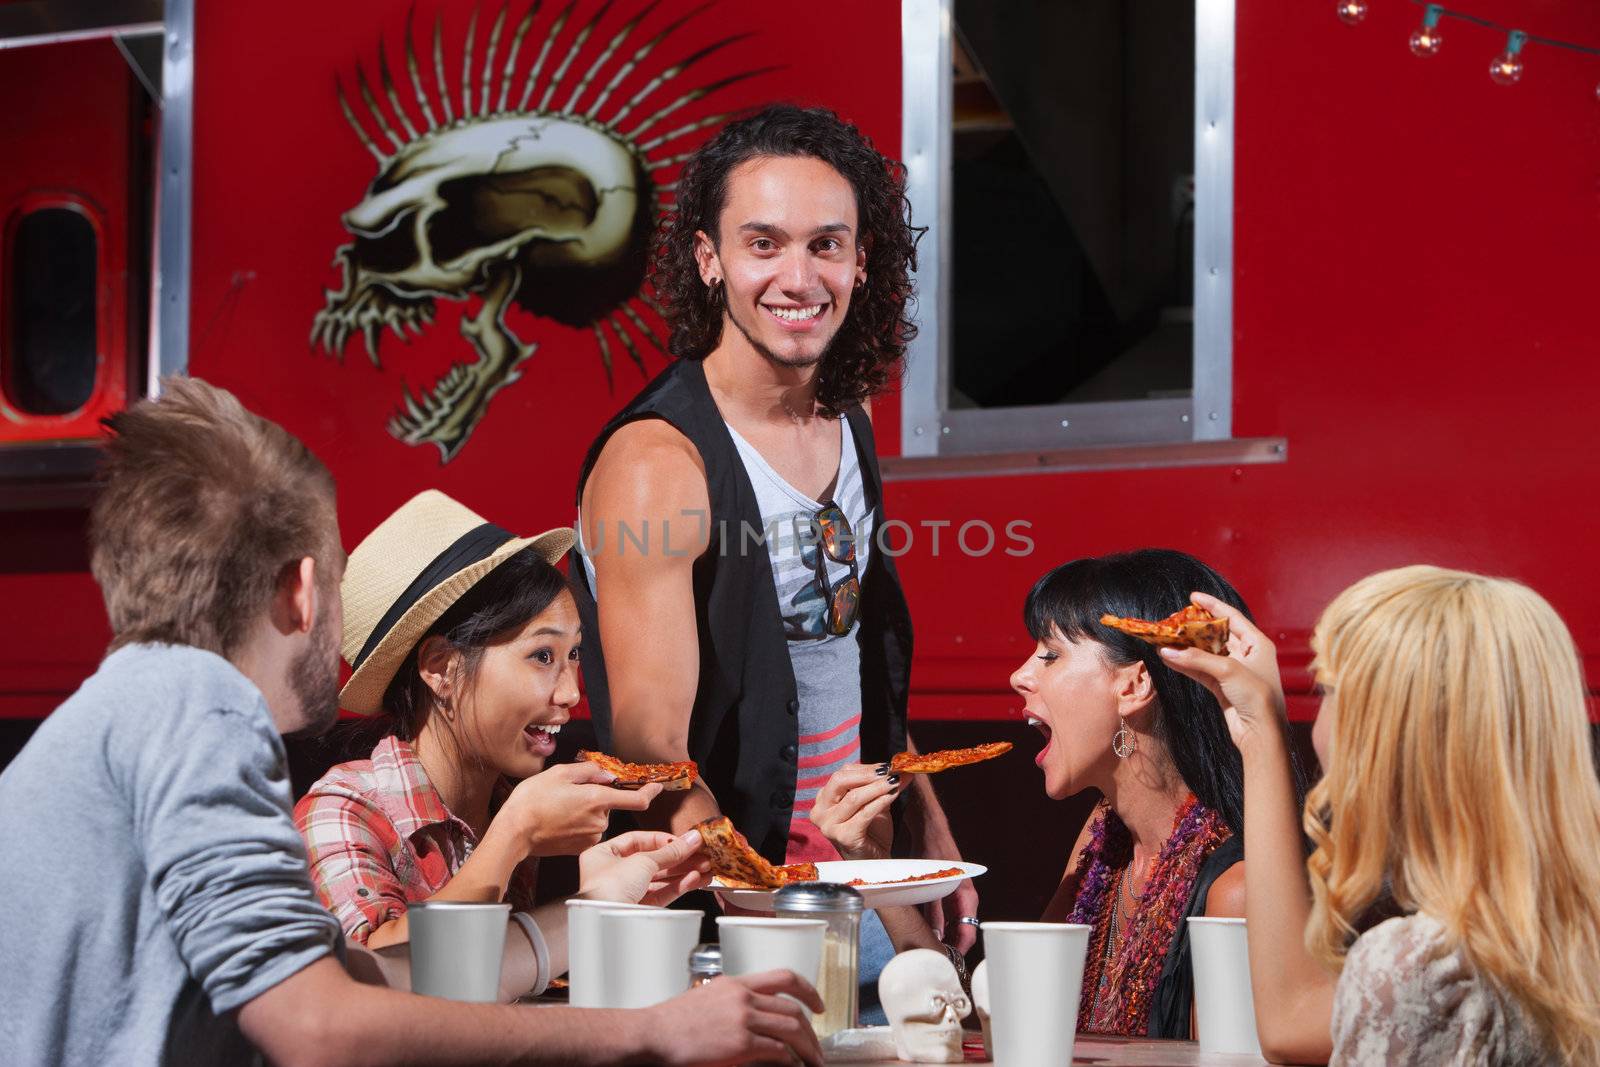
{"points": [[1461, 779]]}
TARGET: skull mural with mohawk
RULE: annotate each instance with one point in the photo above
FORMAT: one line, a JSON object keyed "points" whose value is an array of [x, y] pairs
{"points": [[544, 197]]}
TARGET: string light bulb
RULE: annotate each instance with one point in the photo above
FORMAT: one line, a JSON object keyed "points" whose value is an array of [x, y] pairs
{"points": [[1505, 69], [1507, 66], [1351, 11], [1427, 39]]}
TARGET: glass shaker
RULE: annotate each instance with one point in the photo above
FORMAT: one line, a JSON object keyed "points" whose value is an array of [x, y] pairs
{"points": [[705, 963], [839, 906]]}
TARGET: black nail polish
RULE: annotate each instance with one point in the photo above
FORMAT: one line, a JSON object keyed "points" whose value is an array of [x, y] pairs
{"points": [[883, 768], [894, 779]]}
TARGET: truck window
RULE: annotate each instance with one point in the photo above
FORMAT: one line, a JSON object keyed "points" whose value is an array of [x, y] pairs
{"points": [[51, 355]]}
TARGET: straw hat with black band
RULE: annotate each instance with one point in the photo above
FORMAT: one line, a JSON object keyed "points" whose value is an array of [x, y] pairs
{"points": [[407, 573]]}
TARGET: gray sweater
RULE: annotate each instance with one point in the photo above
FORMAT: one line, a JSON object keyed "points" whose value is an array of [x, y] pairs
{"points": [[154, 881]]}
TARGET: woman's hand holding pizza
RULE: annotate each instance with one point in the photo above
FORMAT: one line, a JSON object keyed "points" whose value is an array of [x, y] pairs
{"points": [[643, 867], [852, 811], [564, 809], [1246, 682]]}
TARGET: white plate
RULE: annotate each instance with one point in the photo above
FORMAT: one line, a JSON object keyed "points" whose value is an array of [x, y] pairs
{"points": [[874, 896]]}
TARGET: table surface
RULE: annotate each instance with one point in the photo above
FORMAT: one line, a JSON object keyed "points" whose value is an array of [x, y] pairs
{"points": [[1144, 1052], [1091, 1050]]}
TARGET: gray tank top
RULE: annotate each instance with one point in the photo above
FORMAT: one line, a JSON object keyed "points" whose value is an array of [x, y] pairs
{"points": [[827, 669]]}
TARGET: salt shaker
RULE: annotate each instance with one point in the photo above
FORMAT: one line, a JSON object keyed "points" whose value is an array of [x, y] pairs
{"points": [[705, 963], [840, 906]]}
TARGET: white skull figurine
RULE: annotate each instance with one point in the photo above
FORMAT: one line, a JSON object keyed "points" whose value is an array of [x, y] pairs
{"points": [[980, 1002], [922, 996]]}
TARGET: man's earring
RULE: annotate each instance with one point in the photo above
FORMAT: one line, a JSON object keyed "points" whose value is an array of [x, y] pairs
{"points": [[1124, 742]]}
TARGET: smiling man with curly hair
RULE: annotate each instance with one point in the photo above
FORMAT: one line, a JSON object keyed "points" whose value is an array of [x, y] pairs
{"points": [[738, 609], [861, 280]]}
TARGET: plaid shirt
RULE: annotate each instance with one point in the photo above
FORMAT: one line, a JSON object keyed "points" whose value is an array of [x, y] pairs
{"points": [[379, 838]]}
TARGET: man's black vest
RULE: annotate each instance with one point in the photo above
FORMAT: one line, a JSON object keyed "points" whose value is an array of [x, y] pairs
{"points": [[744, 728]]}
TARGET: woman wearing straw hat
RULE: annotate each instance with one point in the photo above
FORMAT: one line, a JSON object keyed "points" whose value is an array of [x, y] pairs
{"points": [[465, 641]]}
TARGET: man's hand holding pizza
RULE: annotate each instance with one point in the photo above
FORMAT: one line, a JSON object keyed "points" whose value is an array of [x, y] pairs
{"points": [[853, 811]]}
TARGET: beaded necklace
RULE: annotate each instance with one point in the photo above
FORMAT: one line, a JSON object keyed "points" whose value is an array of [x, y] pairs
{"points": [[1121, 973]]}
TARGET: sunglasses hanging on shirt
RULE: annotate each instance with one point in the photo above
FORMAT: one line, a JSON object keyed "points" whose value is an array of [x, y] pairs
{"points": [[837, 542]]}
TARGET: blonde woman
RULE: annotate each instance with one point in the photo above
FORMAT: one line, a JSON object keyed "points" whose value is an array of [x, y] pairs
{"points": [[1460, 791]]}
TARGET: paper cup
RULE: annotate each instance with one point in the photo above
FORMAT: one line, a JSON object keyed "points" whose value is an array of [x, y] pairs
{"points": [[752, 945], [1035, 973], [456, 949], [644, 955], [585, 970], [1225, 1012]]}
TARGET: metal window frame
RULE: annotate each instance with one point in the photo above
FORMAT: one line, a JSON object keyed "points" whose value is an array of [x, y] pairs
{"points": [[175, 197], [931, 431], [61, 474]]}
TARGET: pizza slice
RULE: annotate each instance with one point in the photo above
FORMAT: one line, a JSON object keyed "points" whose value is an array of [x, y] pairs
{"points": [[947, 872], [735, 864], [673, 777], [933, 762], [798, 872], [794, 872], [1193, 627]]}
